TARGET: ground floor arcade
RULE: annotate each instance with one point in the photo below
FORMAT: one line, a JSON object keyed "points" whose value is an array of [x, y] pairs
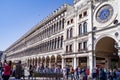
{"points": [[105, 54]]}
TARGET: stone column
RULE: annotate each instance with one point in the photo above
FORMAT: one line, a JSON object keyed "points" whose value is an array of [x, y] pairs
{"points": [[75, 63], [45, 62], [55, 58], [94, 61], [50, 63], [88, 66], [90, 63]]}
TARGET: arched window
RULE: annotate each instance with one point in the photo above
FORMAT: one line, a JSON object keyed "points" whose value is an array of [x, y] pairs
{"points": [[61, 41], [57, 26], [67, 33], [54, 28], [68, 22], [48, 46], [52, 44], [58, 42], [55, 47], [63, 24], [71, 33], [80, 29], [60, 25], [70, 48], [85, 27], [48, 31], [66, 48], [85, 45]]}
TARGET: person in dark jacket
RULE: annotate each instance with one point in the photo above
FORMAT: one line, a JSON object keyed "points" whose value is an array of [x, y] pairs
{"points": [[18, 71], [31, 71], [102, 74], [94, 74]]}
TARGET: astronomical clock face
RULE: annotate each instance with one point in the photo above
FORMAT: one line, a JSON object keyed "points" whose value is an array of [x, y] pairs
{"points": [[104, 14]]}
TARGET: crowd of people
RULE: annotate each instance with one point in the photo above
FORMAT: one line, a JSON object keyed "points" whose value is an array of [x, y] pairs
{"points": [[7, 69], [17, 70]]}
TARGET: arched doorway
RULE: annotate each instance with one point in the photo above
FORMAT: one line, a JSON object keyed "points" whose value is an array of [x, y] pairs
{"points": [[106, 53], [30, 61], [53, 60], [59, 60], [33, 61], [47, 61], [36, 61], [43, 60], [39, 60]]}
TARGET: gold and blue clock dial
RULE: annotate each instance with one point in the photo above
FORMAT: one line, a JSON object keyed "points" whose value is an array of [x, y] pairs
{"points": [[104, 13]]}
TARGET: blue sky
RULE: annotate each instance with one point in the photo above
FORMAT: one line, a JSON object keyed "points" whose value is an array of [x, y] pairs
{"points": [[19, 16]]}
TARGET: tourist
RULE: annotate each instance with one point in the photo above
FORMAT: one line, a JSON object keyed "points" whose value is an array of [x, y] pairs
{"points": [[7, 70], [31, 69], [18, 71], [72, 73]]}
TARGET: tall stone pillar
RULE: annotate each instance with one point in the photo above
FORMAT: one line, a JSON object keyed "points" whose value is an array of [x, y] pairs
{"points": [[75, 63], [94, 61], [50, 63], [55, 58], [90, 63], [45, 62]]}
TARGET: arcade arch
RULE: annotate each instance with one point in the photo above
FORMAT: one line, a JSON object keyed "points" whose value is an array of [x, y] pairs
{"points": [[59, 60], [47, 61], [106, 53], [52, 59]]}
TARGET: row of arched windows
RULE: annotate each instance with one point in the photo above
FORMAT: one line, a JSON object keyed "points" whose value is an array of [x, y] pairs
{"points": [[82, 46], [69, 33], [83, 28], [51, 45], [84, 14], [69, 48], [55, 28], [70, 21]]}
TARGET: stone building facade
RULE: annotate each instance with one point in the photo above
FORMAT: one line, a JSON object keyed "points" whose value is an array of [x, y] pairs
{"points": [[86, 34]]}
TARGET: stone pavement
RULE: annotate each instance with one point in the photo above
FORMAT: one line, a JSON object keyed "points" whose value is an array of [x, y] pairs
{"points": [[38, 78]]}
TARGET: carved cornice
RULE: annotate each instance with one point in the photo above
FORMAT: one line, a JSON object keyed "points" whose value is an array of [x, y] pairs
{"points": [[42, 23]]}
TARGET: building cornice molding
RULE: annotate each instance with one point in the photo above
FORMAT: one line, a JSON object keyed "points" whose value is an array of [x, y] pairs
{"points": [[43, 22]]}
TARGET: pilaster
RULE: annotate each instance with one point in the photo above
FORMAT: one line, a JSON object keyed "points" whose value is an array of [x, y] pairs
{"points": [[90, 62], [75, 63]]}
